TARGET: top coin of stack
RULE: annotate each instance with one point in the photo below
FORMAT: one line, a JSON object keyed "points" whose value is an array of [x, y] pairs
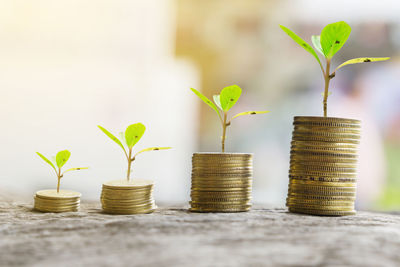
{"points": [[51, 201], [128, 197], [323, 166], [221, 182]]}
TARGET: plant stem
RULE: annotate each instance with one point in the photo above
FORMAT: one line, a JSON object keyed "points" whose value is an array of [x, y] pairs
{"points": [[326, 91], [128, 174], [224, 125], [58, 180]]}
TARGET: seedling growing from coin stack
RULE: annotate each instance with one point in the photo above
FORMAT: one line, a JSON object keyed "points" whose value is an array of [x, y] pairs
{"points": [[59, 160], [131, 136], [331, 40], [222, 104], [324, 150]]}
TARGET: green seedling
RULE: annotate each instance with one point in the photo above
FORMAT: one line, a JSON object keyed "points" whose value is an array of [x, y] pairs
{"points": [[331, 40], [223, 103], [59, 160], [131, 136]]}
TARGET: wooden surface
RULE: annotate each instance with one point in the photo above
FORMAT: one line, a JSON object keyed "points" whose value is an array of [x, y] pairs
{"points": [[176, 237]]}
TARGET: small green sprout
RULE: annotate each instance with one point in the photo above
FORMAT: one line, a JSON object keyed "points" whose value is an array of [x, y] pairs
{"points": [[331, 40], [131, 136], [60, 159], [223, 103]]}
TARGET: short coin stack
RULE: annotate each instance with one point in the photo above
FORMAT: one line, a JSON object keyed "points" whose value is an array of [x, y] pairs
{"points": [[323, 165], [221, 182], [51, 201], [128, 197]]}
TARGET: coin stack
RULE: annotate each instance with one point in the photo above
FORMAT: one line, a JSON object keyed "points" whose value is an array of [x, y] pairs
{"points": [[51, 201], [221, 182], [128, 197], [323, 165]]}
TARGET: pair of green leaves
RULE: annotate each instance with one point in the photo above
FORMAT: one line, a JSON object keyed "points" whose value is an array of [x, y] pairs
{"points": [[226, 100], [331, 40], [130, 137], [59, 160]]}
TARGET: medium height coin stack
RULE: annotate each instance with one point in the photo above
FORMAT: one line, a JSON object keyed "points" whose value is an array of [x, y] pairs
{"points": [[128, 197], [323, 166], [221, 182]]}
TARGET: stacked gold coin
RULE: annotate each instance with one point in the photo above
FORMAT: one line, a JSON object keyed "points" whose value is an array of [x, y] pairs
{"points": [[51, 201], [128, 197], [323, 166], [221, 182]]}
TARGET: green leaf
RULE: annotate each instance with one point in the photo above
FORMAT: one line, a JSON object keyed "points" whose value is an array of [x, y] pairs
{"points": [[47, 161], [362, 60], [122, 138], [62, 158], [316, 41], [206, 100], [302, 43], [133, 134], [217, 101], [333, 37], [152, 149], [249, 113], [229, 96], [76, 169], [112, 137]]}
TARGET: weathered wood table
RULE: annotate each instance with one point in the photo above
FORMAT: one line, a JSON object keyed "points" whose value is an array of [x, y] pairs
{"points": [[176, 237]]}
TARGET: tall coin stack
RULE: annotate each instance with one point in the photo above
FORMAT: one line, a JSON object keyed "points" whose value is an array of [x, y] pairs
{"points": [[323, 165], [51, 201], [221, 182], [128, 197]]}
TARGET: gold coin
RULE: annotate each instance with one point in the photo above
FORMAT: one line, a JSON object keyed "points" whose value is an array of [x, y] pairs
{"points": [[322, 212], [311, 164], [319, 202], [45, 207], [202, 210], [322, 207], [230, 202], [319, 183], [219, 208], [223, 185], [56, 201], [322, 156], [296, 188], [221, 189], [127, 207], [324, 179], [223, 182], [306, 192], [126, 201], [325, 139], [322, 174], [317, 168], [128, 185], [241, 193], [317, 129], [323, 144], [318, 197], [221, 155], [221, 199], [42, 209], [304, 157], [62, 194], [330, 150], [129, 212], [318, 119]]}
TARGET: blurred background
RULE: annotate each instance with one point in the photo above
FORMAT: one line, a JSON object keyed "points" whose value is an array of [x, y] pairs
{"points": [[67, 66]]}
